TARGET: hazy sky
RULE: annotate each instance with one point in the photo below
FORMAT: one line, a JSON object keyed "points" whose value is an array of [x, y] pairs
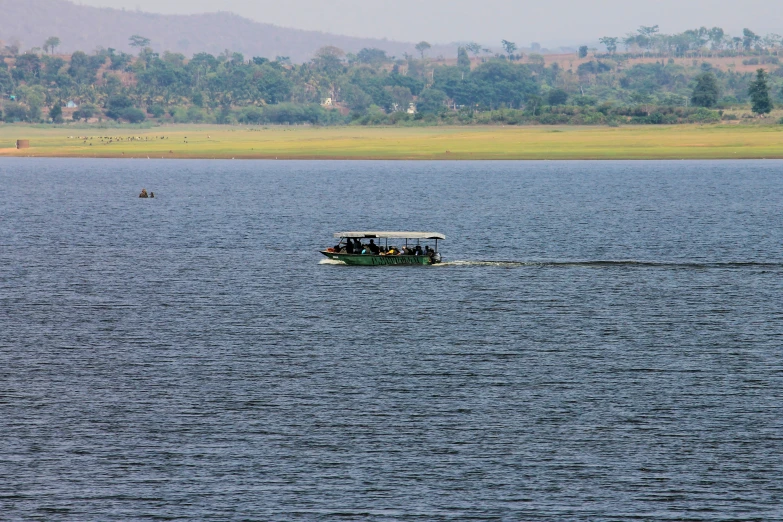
{"points": [[550, 22]]}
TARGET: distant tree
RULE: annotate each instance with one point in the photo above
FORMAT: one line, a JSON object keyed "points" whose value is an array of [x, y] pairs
{"points": [[6, 81], [138, 41], [583, 51], [432, 101], [463, 60], [27, 67], [156, 111], [557, 97], [533, 102], [509, 47], [401, 97], [610, 43], [15, 112], [644, 37], [706, 92], [759, 93], [56, 113], [356, 99], [117, 105], [749, 39], [51, 43], [648, 31], [473, 48], [642, 99], [422, 47], [132, 115], [717, 36], [771, 40], [329, 59], [372, 56], [85, 112]]}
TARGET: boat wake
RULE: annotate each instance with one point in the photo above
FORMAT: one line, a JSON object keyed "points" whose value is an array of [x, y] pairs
{"points": [[328, 261], [613, 264]]}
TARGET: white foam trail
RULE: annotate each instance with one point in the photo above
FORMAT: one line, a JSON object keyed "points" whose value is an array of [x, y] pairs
{"points": [[630, 263], [486, 263], [328, 261]]}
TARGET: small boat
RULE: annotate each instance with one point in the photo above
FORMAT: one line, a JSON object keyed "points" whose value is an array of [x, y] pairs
{"points": [[405, 248]]}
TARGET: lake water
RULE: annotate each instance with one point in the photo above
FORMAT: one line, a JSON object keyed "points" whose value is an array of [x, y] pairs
{"points": [[604, 342]]}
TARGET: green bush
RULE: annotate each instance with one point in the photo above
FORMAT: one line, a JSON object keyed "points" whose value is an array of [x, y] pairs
{"points": [[400, 116], [250, 115], [132, 115], [704, 116], [56, 114], [117, 105], [196, 115], [15, 112], [553, 119], [85, 112], [156, 111]]}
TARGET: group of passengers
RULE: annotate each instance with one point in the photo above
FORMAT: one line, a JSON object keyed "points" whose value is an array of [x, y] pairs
{"points": [[354, 246]]}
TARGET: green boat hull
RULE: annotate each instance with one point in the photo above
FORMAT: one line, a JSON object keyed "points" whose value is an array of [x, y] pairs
{"points": [[371, 260]]}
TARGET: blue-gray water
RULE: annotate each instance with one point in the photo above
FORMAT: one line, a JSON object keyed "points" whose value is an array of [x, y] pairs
{"points": [[605, 342]]}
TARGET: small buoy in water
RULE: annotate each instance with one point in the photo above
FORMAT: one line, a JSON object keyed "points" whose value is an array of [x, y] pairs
{"points": [[143, 193]]}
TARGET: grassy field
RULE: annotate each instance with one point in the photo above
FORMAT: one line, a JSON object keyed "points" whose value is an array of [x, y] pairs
{"points": [[191, 141]]}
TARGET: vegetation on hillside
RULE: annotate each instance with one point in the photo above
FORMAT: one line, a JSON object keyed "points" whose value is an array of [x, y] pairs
{"points": [[648, 84]]}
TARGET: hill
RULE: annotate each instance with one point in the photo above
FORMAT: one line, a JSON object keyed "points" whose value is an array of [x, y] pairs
{"points": [[28, 24]]}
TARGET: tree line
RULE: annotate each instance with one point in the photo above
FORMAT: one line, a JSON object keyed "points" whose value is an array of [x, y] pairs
{"points": [[370, 87], [693, 42]]}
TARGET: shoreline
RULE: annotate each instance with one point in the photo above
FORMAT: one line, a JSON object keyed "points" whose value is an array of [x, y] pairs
{"points": [[394, 159], [677, 142]]}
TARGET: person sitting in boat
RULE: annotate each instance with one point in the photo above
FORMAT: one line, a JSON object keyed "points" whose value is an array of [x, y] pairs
{"points": [[357, 246], [349, 246], [417, 251], [373, 247]]}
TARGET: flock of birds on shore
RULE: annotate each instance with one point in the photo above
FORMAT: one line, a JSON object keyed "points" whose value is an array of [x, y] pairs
{"points": [[108, 140]]}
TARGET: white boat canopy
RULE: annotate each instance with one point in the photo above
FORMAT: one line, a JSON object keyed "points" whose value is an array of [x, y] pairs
{"points": [[397, 235]]}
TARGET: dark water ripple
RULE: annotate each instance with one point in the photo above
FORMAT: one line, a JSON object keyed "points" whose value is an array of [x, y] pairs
{"points": [[604, 342]]}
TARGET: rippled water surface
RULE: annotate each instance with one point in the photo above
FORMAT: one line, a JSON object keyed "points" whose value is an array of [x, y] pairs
{"points": [[604, 342]]}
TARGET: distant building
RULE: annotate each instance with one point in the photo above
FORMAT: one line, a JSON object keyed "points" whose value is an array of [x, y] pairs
{"points": [[71, 105], [327, 102], [411, 108]]}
